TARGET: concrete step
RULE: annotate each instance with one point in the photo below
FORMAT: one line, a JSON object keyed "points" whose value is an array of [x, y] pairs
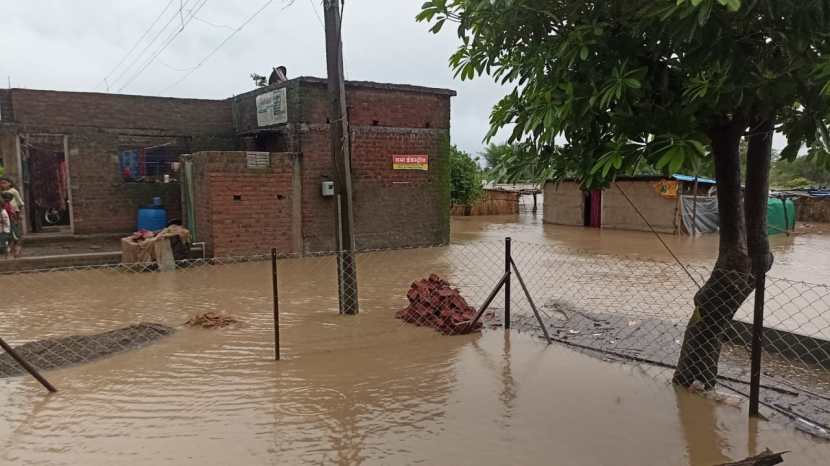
{"points": [[43, 238], [63, 260], [30, 263]]}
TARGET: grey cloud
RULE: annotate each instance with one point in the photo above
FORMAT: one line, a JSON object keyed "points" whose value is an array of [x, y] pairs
{"points": [[72, 45]]}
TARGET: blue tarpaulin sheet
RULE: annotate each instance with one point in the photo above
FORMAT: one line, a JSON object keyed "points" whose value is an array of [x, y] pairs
{"points": [[691, 179]]}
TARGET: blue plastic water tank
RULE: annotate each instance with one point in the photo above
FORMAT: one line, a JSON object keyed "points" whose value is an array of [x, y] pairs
{"points": [[152, 218]]}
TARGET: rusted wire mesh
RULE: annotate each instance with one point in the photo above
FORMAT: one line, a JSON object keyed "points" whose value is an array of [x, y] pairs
{"points": [[68, 351]]}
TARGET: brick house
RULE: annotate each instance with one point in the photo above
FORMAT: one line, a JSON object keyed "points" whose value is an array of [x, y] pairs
{"points": [[89, 135]]}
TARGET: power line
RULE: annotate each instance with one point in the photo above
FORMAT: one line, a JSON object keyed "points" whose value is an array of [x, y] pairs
{"points": [[221, 26], [221, 44], [140, 57], [316, 13], [165, 45], [168, 66], [132, 49]]}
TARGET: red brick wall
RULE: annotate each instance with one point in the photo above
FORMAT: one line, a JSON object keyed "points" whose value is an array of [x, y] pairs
{"points": [[6, 113], [202, 202], [99, 126], [318, 211], [57, 108], [243, 211], [392, 208], [102, 201], [395, 208], [379, 106], [369, 104]]}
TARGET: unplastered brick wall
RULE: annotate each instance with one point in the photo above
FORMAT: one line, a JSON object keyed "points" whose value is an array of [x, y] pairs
{"points": [[369, 104], [244, 211], [6, 113], [99, 126], [72, 109], [374, 104], [318, 212], [103, 202], [396, 208], [392, 208]]}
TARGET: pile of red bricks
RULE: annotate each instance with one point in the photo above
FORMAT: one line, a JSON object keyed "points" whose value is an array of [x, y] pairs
{"points": [[434, 303]]}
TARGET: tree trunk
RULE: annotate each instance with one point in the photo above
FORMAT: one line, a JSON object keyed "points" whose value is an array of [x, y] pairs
{"points": [[759, 154], [730, 282]]}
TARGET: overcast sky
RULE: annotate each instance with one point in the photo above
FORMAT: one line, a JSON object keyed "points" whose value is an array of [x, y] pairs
{"points": [[74, 45]]}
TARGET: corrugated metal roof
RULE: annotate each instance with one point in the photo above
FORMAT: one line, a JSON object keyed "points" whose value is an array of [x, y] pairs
{"points": [[691, 179]]}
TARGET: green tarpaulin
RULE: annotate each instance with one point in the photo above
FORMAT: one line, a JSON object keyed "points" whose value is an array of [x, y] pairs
{"points": [[781, 215]]}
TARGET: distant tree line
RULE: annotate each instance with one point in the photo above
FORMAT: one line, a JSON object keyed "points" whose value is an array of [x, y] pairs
{"points": [[514, 163]]}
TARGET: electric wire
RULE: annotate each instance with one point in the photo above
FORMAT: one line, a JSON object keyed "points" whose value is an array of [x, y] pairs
{"points": [[161, 49], [216, 49], [135, 45]]}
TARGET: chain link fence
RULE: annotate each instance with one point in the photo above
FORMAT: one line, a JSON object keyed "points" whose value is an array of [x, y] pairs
{"points": [[617, 308]]}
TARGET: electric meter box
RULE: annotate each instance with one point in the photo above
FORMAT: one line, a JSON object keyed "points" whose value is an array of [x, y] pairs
{"points": [[327, 188]]}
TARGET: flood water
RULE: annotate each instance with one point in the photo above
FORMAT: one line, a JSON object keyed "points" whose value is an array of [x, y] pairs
{"points": [[802, 255], [349, 390]]}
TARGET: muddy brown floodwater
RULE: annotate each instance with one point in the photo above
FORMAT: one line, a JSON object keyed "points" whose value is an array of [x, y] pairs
{"points": [[802, 255], [350, 390]]}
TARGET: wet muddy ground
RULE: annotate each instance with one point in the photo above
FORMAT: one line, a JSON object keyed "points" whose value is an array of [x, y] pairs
{"points": [[349, 390]]}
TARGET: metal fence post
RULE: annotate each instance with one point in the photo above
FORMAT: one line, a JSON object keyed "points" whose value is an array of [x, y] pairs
{"points": [[25, 365], [757, 342], [276, 304], [507, 262]]}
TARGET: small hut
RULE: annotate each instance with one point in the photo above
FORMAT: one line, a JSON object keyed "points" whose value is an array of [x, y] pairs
{"points": [[676, 204]]}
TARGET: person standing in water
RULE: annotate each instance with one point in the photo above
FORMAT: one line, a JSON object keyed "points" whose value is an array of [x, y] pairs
{"points": [[5, 228], [11, 196], [6, 186]]}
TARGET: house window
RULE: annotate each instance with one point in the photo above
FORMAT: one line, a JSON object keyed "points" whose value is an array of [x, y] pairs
{"points": [[149, 165]]}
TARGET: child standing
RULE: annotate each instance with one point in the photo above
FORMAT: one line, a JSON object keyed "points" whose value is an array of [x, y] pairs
{"points": [[5, 228], [10, 226], [7, 186]]}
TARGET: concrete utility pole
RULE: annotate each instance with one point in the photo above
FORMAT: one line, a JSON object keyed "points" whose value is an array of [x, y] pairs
{"points": [[340, 151]]}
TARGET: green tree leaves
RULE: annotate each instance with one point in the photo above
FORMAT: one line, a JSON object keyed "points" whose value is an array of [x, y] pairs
{"points": [[465, 177], [604, 88]]}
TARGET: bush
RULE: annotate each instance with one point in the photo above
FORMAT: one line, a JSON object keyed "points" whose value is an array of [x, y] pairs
{"points": [[465, 177]]}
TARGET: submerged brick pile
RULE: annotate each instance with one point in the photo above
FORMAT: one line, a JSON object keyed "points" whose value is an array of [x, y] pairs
{"points": [[434, 303]]}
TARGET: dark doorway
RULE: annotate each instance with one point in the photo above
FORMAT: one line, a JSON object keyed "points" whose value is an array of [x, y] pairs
{"points": [[46, 189], [592, 209]]}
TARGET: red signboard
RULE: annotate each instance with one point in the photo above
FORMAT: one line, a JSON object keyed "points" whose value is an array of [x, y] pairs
{"points": [[410, 162]]}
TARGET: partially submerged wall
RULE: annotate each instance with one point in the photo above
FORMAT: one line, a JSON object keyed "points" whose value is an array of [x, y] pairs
{"points": [[493, 202], [244, 211], [98, 126], [813, 209], [618, 213], [564, 203], [392, 208]]}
